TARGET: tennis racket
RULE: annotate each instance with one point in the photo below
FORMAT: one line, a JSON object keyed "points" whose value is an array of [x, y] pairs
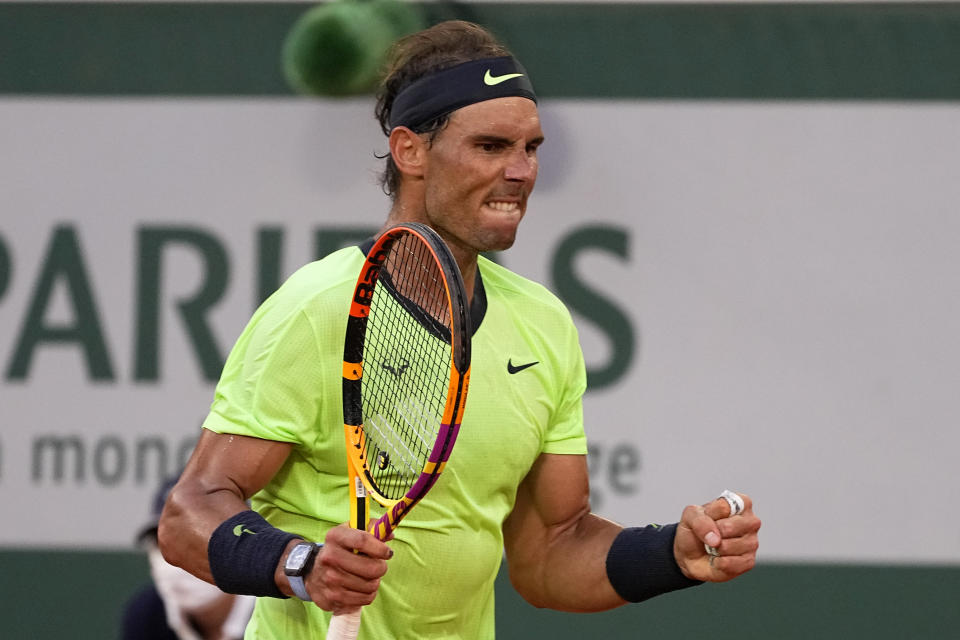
{"points": [[406, 368]]}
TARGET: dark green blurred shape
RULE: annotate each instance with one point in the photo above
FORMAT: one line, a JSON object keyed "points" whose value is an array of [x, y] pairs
{"points": [[896, 51], [338, 48]]}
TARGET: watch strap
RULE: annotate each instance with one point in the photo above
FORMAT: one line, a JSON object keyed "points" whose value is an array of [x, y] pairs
{"points": [[299, 588]]}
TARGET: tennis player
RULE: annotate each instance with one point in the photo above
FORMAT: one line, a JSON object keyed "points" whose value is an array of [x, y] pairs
{"points": [[461, 116]]}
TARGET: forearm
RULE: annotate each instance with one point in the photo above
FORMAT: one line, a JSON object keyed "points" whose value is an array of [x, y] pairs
{"points": [[223, 472], [191, 515], [564, 557], [562, 567]]}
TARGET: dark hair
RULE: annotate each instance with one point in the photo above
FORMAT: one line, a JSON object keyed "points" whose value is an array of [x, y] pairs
{"points": [[441, 46]]}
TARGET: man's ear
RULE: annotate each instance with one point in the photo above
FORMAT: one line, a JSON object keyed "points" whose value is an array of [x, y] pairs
{"points": [[408, 150]]}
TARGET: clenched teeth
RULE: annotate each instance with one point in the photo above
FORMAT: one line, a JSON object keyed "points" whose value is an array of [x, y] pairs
{"points": [[503, 206]]}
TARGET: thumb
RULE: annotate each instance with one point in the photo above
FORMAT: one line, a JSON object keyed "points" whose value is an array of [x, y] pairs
{"points": [[701, 524]]}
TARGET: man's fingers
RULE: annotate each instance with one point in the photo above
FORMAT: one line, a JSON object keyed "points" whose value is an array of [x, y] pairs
{"points": [[728, 504], [348, 570], [738, 546], [742, 525], [362, 566], [712, 544], [733, 565], [703, 526], [342, 580], [356, 553], [721, 512], [369, 545], [358, 541], [738, 527]]}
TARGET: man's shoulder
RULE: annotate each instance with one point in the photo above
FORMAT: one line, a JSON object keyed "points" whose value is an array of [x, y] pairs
{"points": [[517, 290], [319, 289], [338, 267], [314, 279]]}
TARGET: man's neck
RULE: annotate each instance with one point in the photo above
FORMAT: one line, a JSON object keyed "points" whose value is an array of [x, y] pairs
{"points": [[466, 258]]}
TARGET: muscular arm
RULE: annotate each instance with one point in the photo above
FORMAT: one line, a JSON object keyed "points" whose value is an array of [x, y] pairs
{"points": [[556, 549], [224, 471]]}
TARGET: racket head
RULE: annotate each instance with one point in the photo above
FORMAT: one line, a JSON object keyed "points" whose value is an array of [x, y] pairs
{"points": [[406, 369]]}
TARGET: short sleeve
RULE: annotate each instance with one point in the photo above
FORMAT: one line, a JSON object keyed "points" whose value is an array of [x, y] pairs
{"points": [[565, 434], [270, 387]]}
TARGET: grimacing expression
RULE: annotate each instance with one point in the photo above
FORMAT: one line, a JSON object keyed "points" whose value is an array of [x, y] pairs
{"points": [[479, 173]]}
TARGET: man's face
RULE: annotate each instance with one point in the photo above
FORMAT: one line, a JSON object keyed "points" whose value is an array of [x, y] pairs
{"points": [[480, 171]]}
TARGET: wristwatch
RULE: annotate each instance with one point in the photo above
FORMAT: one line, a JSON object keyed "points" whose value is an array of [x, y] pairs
{"points": [[298, 564]]}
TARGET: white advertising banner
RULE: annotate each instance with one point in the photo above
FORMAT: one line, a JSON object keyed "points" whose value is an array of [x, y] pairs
{"points": [[767, 295]]}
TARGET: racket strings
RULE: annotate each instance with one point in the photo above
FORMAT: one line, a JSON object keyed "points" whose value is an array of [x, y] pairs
{"points": [[407, 356]]}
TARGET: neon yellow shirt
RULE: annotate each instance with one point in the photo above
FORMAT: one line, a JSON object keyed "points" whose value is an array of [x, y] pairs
{"points": [[282, 381]]}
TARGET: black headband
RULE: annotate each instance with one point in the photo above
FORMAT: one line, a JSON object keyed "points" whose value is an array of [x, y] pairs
{"points": [[447, 90]]}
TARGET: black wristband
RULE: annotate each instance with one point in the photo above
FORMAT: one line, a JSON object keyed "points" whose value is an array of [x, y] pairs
{"points": [[244, 552], [640, 563]]}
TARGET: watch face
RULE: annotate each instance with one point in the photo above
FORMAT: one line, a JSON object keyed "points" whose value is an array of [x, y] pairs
{"points": [[298, 558]]}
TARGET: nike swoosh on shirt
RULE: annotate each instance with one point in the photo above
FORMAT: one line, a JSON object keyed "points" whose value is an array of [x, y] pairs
{"points": [[491, 80], [512, 368]]}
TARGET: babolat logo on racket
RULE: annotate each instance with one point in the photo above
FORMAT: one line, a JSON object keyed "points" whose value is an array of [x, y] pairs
{"points": [[363, 294], [364, 291]]}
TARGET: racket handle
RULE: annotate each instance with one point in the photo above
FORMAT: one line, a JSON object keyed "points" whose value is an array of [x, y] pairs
{"points": [[344, 626]]}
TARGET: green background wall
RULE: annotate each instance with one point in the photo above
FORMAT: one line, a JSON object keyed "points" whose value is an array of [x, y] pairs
{"points": [[753, 50], [78, 595]]}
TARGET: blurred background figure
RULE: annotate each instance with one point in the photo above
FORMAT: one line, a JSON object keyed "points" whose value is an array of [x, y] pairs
{"points": [[176, 605]]}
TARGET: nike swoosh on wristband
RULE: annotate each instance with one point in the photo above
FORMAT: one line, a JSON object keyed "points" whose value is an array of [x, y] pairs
{"points": [[491, 80], [239, 530], [512, 368]]}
